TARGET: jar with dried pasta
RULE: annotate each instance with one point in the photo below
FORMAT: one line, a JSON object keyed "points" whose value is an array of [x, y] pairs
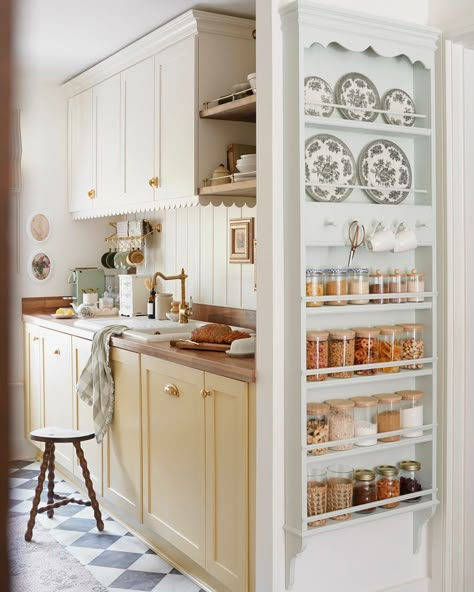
{"points": [[377, 285], [388, 484], [341, 422], [366, 349], [314, 286], [388, 415], [317, 426], [317, 354], [358, 284], [413, 344], [341, 351], [336, 285], [389, 347], [397, 284]]}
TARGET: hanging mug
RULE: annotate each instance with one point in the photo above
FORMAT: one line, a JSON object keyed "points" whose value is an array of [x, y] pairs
{"points": [[382, 239], [405, 239]]}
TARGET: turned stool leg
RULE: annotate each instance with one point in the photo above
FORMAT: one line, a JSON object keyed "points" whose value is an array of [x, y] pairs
{"points": [[90, 488], [39, 489], [50, 513]]}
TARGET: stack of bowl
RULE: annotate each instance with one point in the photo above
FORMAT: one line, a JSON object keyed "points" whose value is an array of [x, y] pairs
{"points": [[247, 167]]}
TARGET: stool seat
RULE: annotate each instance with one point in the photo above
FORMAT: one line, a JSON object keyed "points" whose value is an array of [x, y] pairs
{"points": [[52, 436], [60, 435]]}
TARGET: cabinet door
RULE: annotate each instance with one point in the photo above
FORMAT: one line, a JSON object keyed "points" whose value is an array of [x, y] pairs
{"points": [[33, 389], [107, 135], [227, 481], [80, 157], [174, 483], [81, 349], [122, 452], [138, 104], [175, 127], [57, 381]]}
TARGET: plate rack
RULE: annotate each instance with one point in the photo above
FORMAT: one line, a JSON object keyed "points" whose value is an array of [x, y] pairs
{"points": [[131, 242]]}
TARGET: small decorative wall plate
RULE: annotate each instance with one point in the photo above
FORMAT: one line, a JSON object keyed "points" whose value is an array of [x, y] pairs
{"points": [[356, 90], [384, 164], [317, 90], [39, 267], [396, 101], [38, 227], [328, 161]]}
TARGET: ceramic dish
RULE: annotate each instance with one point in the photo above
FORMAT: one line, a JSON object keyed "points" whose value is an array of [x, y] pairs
{"points": [[317, 90], [64, 316], [356, 90], [397, 100], [328, 161], [383, 163], [110, 260], [246, 168]]}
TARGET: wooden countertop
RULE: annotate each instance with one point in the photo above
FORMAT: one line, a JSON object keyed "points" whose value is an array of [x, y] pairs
{"points": [[215, 362]]}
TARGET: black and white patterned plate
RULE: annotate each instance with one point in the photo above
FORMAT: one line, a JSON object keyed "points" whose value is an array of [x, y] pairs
{"points": [[396, 101], [356, 90], [316, 91]]}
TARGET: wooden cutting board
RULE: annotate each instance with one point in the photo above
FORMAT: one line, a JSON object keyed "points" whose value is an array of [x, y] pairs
{"points": [[222, 347]]}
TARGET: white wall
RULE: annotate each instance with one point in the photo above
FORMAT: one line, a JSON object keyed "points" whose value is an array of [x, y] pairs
{"points": [[407, 10], [451, 15]]}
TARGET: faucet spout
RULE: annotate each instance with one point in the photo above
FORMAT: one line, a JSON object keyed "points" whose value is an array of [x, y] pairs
{"points": [[185, 311]]}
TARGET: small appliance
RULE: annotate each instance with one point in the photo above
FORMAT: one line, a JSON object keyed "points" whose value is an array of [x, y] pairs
{"points": [[133, 295], [83, 279]]}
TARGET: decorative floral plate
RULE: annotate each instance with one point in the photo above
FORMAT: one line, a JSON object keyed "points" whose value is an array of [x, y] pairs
{"points": [[398, 101], [356, 90], [384, 164], [328, 161], [317, 90]]}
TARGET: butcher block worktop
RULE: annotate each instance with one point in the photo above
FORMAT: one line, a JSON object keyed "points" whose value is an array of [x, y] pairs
{"points": [[216, 362]]}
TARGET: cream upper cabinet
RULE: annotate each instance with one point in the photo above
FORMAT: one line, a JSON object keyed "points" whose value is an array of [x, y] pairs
{"points": [[33, 387], [80, 153]]}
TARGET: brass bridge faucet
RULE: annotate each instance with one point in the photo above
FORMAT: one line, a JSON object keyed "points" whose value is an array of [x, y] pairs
{"points": [[185, 311]]}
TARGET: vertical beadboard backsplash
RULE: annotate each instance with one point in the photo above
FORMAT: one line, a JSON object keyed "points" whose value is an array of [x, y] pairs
{"points": [[198, 239]]}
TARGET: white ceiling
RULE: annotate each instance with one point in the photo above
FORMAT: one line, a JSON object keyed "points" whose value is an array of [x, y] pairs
{"points": [[61, 38]]}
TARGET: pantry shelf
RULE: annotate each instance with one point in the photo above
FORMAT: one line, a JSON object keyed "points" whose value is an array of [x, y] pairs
{"points": [[244, 109], [376, 378], [368, 308]]}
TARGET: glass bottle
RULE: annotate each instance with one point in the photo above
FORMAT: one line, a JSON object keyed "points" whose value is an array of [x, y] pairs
{"points": [[415, 283], [341, 351], [316, 494], [365, 419], [411, 414], [341, 422], [317, 426], [365, 489], [388, 415], [389, 347], [340, 488], [397, 284], [151, 305], [316, 354], [358, 284], [314, 285], [388, 484], [336, 285], [366, 349], [377, 286], [409, 481], [413, 344]]}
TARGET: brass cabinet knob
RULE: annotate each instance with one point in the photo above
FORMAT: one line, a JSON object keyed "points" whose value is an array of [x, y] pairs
{"points": [[171, 390], [57, 352], [205, 393], [35, 338], [91, 194], [154, 182]]}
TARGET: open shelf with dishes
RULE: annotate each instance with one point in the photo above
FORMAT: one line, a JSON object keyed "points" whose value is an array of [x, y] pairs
{"points": [[244, 109]]}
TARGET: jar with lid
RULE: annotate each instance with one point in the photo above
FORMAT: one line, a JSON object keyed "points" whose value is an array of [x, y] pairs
{"points": [[397, 284], [415, 283], [365, 419], [358, 284], [365, 489], [341, 351], [336, 285], [409, 480], [388, 484], [388, 415], [317, 427], [366, 349], [341, 422], [317, 354], [389, 347], [377, 285], [314, 285], [316, 494], [413, 344], [340, 489], [411, 415]]}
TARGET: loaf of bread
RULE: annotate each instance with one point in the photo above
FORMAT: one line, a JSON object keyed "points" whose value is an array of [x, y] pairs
{"points": [[217, 333]]}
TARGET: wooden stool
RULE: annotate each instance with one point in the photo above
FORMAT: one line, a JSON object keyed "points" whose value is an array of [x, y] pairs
{"points": [[52, 436]]}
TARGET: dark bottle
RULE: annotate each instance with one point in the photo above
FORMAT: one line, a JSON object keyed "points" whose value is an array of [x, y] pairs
{"points": [[151, 305]]}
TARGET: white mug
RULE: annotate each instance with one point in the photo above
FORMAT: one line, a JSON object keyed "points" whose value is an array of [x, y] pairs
{"points": [[162, 305], [382, 239], [405, 239]]}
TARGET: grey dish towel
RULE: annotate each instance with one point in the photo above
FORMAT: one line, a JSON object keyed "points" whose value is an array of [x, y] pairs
{"points": [[96, 383]]}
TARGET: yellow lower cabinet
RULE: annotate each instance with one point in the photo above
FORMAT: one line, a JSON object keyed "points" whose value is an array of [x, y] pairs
{"points": [[122, 445], [33, 387], [81, 349], [173, 455]]}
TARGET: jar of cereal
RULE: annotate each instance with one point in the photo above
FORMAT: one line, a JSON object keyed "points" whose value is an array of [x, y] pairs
{"points": [[316, 354], [366, 349], [336, 285], [317, 426], [341, 422], [413, 344], [388, 484], [341, 351], [358, 284], [314, 285], [389, 347]]}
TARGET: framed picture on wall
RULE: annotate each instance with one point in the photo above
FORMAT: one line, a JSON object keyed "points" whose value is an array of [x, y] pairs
{"points": [[241, 232]]}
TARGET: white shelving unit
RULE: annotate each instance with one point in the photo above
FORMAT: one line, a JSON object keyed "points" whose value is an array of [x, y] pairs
{"points": [[329, 43]]}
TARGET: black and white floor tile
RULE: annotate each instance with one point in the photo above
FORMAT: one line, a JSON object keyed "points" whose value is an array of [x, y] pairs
{"points": [[116, 558]]}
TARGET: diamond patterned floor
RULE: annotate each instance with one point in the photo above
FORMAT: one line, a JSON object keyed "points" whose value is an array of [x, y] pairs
{"points": [[116, 558]]}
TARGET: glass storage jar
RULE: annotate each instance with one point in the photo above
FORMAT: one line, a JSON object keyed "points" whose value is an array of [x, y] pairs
{"points": [[388, 484], [340, 488], [413, 344], [316, 494], [365, 489], [314, 285], [317, 354], [397, 284], [358, 284], [317, 426], [389, 347], [409, 481], [341, 422], [377, 285], [366, 349], [335, 284], [388, 415], [341, 351], [415, 283], [365, 419], [411, 414]]}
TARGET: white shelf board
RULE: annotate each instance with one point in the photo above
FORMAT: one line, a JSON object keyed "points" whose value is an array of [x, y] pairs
{"points": [[339, 382], [357, 308], [367, 127]]}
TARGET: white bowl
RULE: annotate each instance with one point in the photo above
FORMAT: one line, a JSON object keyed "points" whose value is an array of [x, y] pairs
{"points": [[172, 316], [244, 167], [248, 156], [252, 78], [243, 347]]}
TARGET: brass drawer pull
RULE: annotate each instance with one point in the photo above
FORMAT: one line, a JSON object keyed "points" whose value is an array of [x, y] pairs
{"points": [[205, 393], [35, 338], [57, 352], [91, 194], [154, 182], [171, 390]]}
